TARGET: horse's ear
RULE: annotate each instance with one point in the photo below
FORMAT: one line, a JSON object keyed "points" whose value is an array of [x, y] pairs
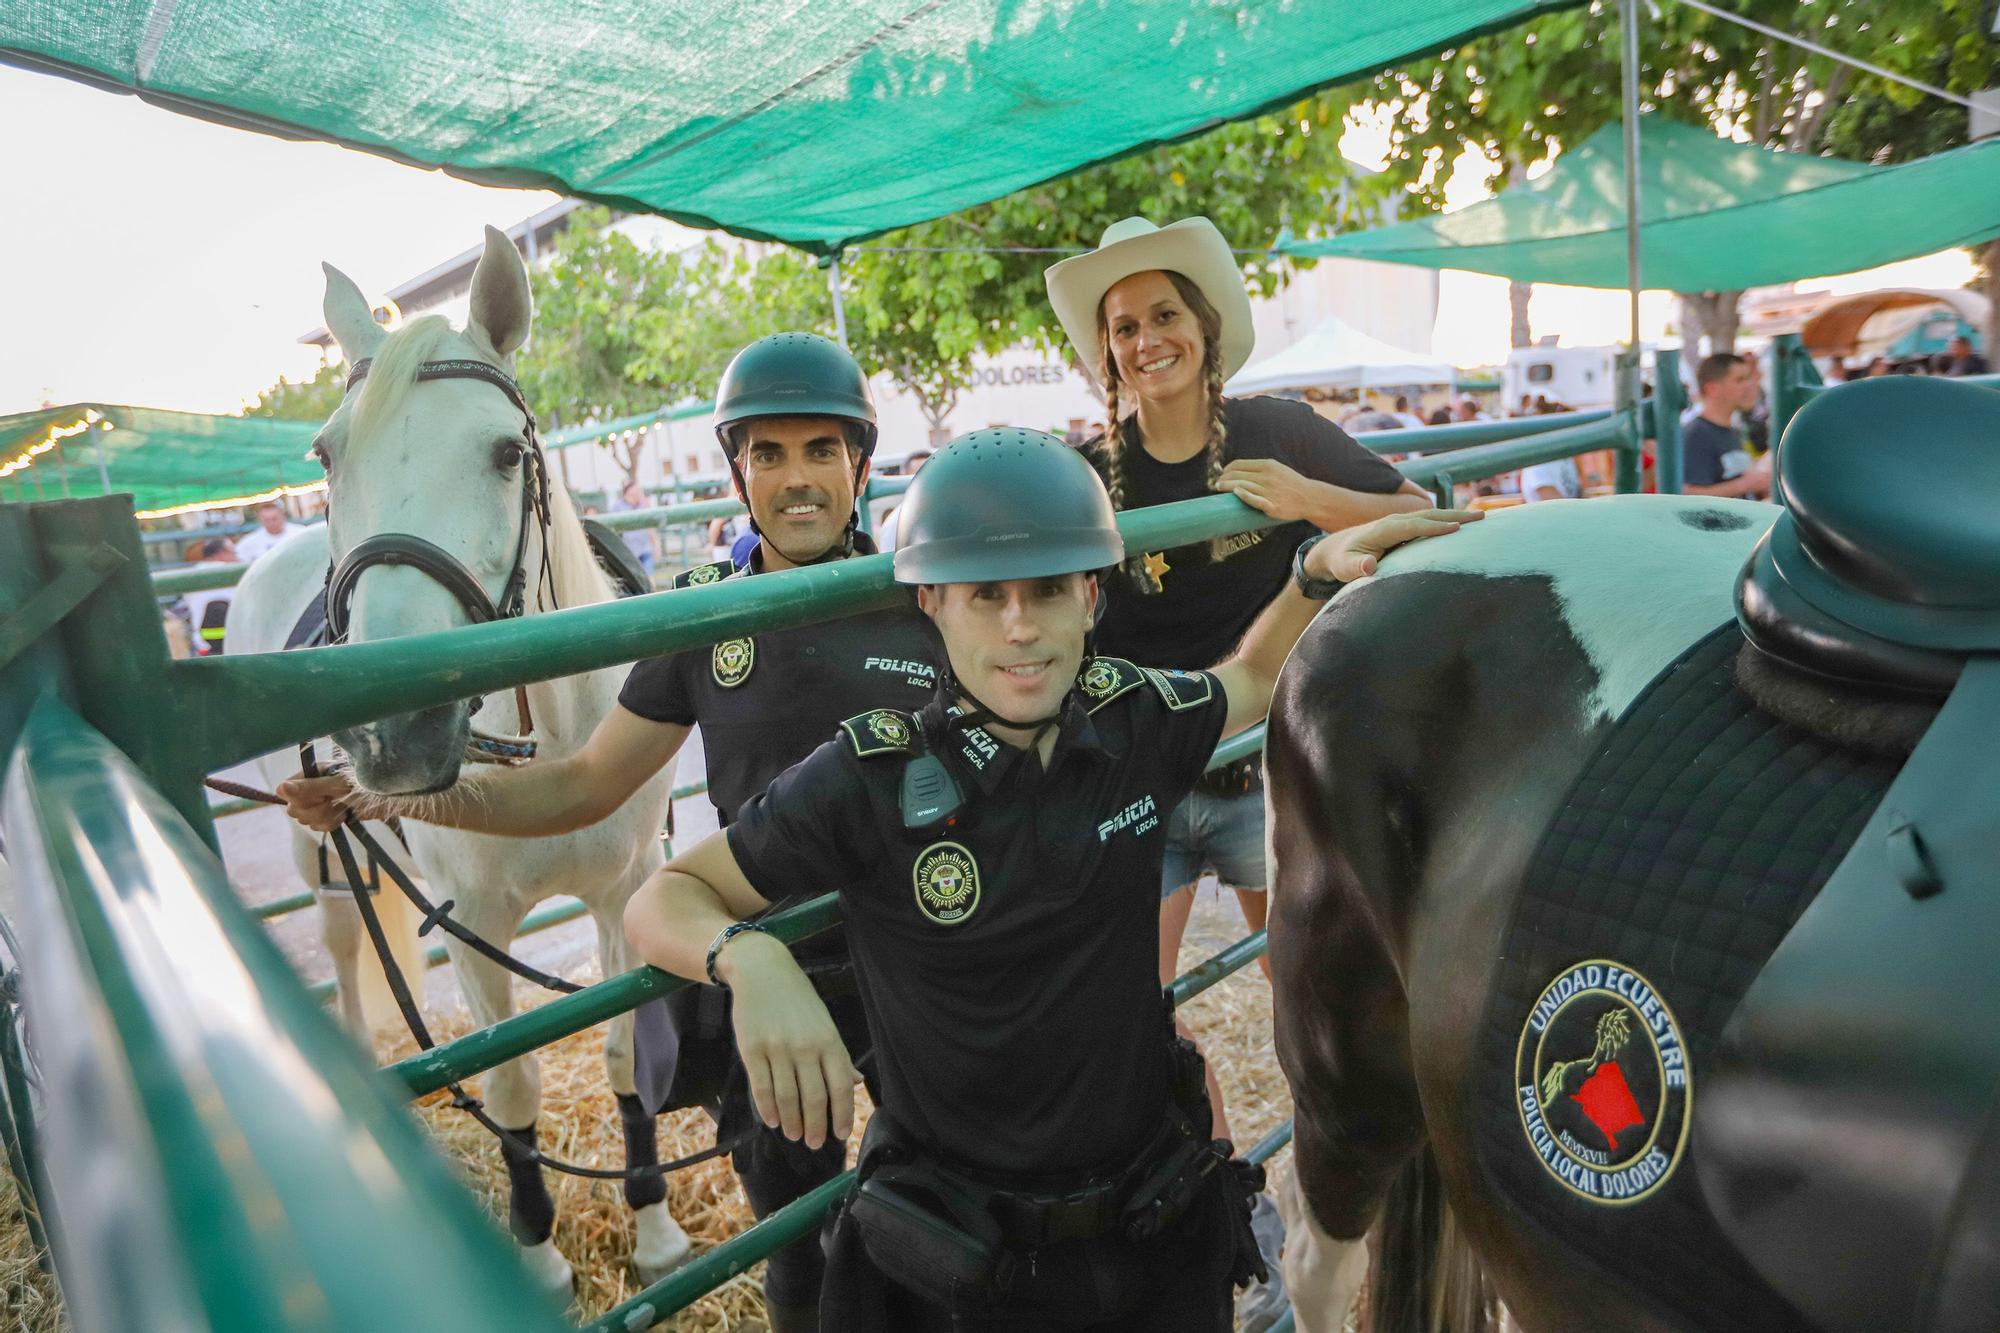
{"points": [[502, 308], [348, 317]]}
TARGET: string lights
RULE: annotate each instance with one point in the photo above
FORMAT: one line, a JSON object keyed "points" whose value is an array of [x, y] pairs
{"points": [[200, 506], [56, 435]]}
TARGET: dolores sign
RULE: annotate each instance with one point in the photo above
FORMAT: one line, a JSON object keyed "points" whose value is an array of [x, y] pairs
{"points": [[1011, 376]]}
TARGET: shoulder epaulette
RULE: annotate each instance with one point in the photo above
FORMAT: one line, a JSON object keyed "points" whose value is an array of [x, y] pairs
{"points": [[1182, 690], [714, 572], [880, 731], [1106, 678]]}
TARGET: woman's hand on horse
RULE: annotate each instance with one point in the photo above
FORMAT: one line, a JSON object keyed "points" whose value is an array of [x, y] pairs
{"points": [[800, 1076], [322, 803], [1266, 484], [1352, 553]]}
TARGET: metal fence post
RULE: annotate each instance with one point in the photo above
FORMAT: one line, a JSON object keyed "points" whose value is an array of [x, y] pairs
{"points": [[117, 651], [1627, 480], [1791, 367], [1669, 401]]}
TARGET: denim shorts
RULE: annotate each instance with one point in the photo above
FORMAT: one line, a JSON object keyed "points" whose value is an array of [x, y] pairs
{"points": [[1220, 833]]}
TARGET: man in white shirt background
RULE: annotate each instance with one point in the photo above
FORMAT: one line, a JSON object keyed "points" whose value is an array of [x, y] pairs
{"points": [[273, 528]]}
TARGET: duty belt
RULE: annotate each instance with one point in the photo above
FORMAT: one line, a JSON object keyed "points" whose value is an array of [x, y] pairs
{"points": [[1237, 779]]}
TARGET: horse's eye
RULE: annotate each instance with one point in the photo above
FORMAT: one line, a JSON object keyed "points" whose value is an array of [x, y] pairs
{"points": [[509, 456], [318, 455]]}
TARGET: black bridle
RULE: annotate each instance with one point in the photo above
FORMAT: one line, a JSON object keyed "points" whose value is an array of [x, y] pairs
{"points": [[403, 548]]}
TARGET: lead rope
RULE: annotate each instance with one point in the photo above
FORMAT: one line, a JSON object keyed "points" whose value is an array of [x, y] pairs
{"points": [[406, 1004]]}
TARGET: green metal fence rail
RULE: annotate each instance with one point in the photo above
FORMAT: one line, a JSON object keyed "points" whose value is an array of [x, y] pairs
{"points": [[1441, 472], [221, 1155], [196, 578], [1464, 434], [264, 1172]]}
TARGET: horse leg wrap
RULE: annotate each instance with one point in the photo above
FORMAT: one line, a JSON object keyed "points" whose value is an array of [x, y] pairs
{"points": [[642, 1148], [531, 1210]]}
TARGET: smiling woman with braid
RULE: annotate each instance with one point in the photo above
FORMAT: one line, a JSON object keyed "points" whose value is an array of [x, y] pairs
{"points": [[1161, 316]]}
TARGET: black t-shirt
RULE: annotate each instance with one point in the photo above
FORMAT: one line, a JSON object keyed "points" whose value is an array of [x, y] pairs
{"points": [[1711, 454], [1204, 606], [764, 703], [1007, 965]]}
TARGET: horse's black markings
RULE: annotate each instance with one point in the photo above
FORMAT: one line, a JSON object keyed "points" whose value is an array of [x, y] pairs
{"points": [[531, 1210], [1380, 761], [1693, 840], [642, 1148], [1715, 520]]}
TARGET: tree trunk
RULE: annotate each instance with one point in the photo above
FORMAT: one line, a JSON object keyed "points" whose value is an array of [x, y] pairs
{"points": [[1519, 334], [1990, 261], [1710, 315]]}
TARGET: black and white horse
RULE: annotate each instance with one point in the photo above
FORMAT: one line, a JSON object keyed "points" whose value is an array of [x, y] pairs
{"points": [[1569, 970]]}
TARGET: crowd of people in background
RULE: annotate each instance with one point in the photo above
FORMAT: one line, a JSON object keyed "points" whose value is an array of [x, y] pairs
{"points": [[1958, 358]]}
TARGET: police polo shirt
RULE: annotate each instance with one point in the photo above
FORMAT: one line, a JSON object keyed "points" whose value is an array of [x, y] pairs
{"points": [[1008, 962], [763, 703]]}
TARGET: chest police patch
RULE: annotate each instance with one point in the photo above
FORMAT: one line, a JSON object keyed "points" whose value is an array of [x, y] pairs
{"points": [[947, 883], [731, 661], [701, 574], [1602, 1083]]}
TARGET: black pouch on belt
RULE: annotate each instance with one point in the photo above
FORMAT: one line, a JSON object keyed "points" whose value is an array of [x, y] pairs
{"points": [[924, 1233]]}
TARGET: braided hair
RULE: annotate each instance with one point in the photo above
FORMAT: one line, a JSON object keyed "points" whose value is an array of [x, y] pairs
{"points": [[1214, 450]]}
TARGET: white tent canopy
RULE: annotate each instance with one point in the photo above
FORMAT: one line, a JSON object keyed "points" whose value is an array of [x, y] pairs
{"points": [[1335, 356]]}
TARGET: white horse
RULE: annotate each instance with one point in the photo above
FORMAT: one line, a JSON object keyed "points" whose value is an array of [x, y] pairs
{"points": [[446, 460]]}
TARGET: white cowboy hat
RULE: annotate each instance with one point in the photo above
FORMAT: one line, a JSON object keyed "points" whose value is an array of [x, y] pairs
{"points": [[1191, 247]]}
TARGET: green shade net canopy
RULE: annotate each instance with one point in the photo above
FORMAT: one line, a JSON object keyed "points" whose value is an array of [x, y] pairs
{"points": [[166, 460], [1714, 215], [813, 124], [185, 460]]}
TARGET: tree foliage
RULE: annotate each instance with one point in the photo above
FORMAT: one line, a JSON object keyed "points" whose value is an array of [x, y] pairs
{"points": [[623, 328], [1523, 94], [311, 399], [923, 301]]}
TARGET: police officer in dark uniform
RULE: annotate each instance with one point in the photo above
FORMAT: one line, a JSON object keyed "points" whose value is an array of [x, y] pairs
{"points": [[796, 422], [1040, 1156]]}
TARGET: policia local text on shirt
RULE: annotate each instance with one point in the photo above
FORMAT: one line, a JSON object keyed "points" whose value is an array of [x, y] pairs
{"points": [[1040, 1153]]}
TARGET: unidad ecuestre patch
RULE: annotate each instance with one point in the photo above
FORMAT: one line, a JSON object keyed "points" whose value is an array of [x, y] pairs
{"points": [[1603, 1084]]}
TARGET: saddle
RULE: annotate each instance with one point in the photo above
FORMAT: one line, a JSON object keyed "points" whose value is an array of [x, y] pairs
{"points": [[1850, 1120]]}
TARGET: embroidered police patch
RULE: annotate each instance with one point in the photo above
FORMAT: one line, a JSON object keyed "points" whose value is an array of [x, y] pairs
{"points": [[701, 574], [731, 661], [947, 883], [1181, 689], [1602, 1083], [889, 728], [1100, 679]]}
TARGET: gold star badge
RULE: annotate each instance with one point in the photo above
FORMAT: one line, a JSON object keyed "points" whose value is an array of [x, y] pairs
{"points": [[1156, 563]]}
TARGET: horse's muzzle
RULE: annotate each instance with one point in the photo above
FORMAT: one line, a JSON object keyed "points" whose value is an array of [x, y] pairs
{"points": [[412, 754]]}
